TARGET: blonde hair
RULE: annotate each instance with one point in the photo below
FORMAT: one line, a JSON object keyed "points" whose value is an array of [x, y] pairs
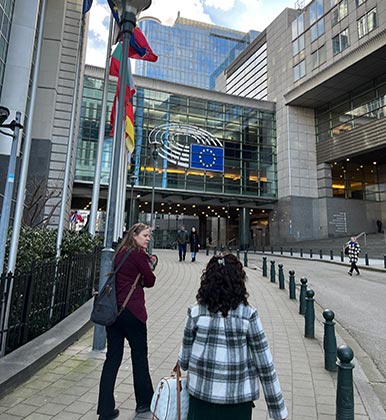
{"points": [[128, 240]]}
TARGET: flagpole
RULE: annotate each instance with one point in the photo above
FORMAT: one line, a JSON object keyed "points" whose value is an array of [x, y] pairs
{"points": [[101, 136], [128, 21]]}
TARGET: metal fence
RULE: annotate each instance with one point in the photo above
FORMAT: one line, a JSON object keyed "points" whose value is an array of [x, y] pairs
{"points": [[43, 297]]}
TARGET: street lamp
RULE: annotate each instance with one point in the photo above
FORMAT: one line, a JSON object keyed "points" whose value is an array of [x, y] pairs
{"points": [[133, 178], [128, 9], [154, 155]]}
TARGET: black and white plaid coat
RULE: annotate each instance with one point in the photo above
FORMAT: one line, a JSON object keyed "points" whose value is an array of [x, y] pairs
{"points": [[226, 356], [353, 251]]}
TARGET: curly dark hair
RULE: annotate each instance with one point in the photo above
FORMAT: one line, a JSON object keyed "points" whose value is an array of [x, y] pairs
{"points": [[223, 284]]}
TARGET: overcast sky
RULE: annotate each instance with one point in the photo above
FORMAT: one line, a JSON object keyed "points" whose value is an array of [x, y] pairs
{"points": [[241, 15]]}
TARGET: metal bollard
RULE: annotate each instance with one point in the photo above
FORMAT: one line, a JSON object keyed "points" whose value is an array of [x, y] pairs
{"points": [[366, 259], [384, 261], [291, 252], [271, 249], [331, 255], [321, 254], [281, 250], [302, 296], [341, 256], [309, 316], [301, 252], [281, 277], [245, 258], [263, 249], [292, 285], [329, 341], [344, 388], [310, 253], [238, 254], [265, 267], [207, 250], [222, 248], [273, 272], [215, 250]]}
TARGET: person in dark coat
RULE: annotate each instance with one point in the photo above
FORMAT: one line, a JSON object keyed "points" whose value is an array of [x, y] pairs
{"points": [[130, 325], [194, 242], [353, 254], [182, 240]]}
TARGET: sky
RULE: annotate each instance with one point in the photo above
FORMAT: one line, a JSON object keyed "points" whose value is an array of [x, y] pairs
{"points": [[241, 15]]}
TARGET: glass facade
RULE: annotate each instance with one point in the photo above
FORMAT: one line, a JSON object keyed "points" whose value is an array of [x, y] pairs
{"points": [[6, 12], [250, 79], [246, 135], [190, 52]]}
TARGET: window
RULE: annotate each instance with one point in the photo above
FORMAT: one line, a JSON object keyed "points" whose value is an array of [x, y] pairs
{"points": [[299, 70], [340, 42], [316, 11], [339, 12], [318, 57], [298, 35], [367, 23], [359, 2]]}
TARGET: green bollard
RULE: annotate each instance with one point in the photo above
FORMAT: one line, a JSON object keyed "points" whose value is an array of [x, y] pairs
{"points": [[309, 316], [273, 272], [265, 274], [238, 254], [384, 261], [301, 252], [245, 258], [207, 250], [302, 296], [341, 256], [329, 341], [291, 252], [366, 259], [281, 277], [321, 254], [292, 285], [310, 253], [331, 255], [281, 250], [344, 387], [271, 249], [263, 249]]}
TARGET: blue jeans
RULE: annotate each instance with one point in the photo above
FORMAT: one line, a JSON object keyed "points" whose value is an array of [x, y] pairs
{"points": [[181, 251], [129, 327]]}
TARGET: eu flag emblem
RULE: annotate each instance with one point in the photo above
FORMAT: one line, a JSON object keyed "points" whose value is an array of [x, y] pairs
{"points": [[208, 158]]}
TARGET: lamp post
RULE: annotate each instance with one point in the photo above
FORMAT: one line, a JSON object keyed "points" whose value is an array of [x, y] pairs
{"points": [[128, 10], [133, 178], [154, 155]]}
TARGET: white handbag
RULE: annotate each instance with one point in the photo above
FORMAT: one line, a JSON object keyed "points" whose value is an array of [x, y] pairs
{"points": [[171, 398]]}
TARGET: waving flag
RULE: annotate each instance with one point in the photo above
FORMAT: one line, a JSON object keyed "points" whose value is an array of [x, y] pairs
{"points": [[86, 6], [114, 11], [140, 48]]}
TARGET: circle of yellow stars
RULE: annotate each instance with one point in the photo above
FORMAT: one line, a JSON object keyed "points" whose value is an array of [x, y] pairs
{"points": [[205, 164]]}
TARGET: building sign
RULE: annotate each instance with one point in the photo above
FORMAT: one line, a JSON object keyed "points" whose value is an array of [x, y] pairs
{"points": [[340, 222], [188, 146]]}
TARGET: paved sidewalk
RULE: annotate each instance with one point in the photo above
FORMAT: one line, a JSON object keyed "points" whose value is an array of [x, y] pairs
{"points": [[67, 388]]}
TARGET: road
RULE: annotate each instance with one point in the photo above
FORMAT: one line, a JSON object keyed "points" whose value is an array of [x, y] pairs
{"points": [[358, 301]]}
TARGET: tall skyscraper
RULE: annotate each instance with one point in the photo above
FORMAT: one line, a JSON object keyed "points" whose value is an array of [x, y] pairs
{"points": [[190, 52]]}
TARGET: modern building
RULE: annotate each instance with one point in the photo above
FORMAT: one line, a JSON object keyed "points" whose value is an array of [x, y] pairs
{"points": [[214, 165], [60, 27], [324, 67], [190, 52]]}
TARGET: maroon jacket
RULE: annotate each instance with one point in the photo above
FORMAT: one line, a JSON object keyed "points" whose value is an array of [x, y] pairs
{"points": [[137, 262]]}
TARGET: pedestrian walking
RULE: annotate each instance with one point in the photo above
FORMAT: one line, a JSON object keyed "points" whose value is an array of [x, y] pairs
{"points": [[353, 249], [182, 240], [379, 226], [225, 350], [194, 240], [131, 324]]}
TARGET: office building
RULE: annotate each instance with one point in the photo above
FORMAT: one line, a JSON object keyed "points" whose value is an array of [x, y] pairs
{"points": [[323, 66]]}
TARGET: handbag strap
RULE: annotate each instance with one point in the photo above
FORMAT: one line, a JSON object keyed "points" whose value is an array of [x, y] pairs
{"points": [[124, 258], [133, 287], [179, 386]]}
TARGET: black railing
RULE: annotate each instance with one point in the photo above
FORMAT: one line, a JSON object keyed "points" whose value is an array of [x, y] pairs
{"points": [[44, 296]]}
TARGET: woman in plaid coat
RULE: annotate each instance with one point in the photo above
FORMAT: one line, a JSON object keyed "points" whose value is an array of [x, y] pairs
{"points": [[353, 254], [225, 350]]}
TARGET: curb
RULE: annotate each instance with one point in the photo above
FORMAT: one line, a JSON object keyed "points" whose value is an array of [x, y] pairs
{"points": [[19, 365]]}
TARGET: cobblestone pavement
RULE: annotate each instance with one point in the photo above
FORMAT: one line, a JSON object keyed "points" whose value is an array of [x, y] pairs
{"points": [[67, 388]]}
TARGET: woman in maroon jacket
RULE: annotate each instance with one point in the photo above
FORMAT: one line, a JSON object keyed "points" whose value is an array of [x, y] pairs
{"points": [[131, 324]]}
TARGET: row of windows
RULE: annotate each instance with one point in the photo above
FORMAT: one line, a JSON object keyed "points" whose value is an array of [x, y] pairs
{"points": [[340, 42], [351, 113], [6, 11]]}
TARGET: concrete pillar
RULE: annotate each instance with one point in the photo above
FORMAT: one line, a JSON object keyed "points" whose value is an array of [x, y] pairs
{"points": [[244, 228]]}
